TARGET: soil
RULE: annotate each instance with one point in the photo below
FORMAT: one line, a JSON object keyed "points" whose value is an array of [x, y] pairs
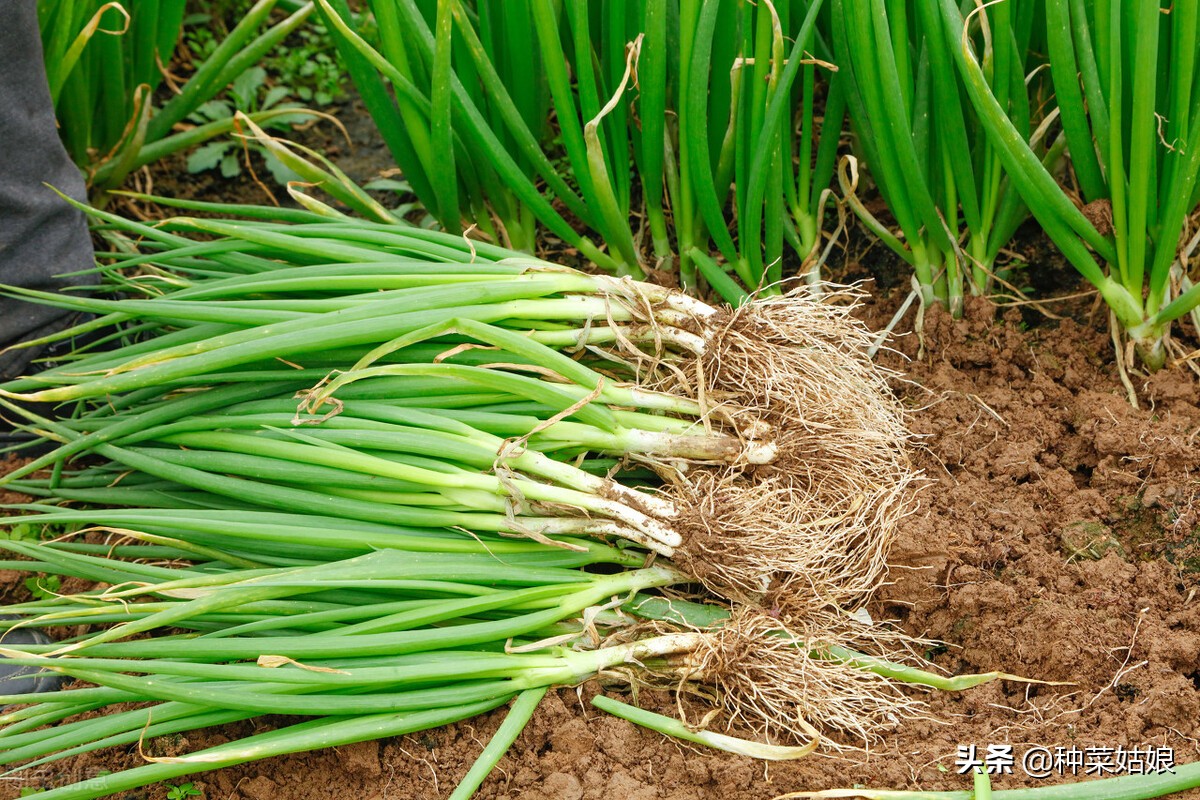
{"points": [[1057, 538]]}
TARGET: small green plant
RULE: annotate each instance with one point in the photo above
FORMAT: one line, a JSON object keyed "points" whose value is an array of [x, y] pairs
{"points": [[105, 63], [250, 93], [182, 791], [29, 791], [30, 532], [22, 533], [310, 65], [200, 37], [307, 61], [43, 587]]}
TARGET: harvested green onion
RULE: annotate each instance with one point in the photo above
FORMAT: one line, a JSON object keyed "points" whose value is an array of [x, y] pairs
{"points": [[352, 469]]}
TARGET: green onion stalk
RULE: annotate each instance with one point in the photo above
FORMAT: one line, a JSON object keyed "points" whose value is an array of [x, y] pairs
{"points": [[942, 176], [778, 447], [410, 642], [1124, 81], [716, 150]]}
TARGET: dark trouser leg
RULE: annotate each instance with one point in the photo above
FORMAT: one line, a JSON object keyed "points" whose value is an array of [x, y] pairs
{"points": [[40, 235]]}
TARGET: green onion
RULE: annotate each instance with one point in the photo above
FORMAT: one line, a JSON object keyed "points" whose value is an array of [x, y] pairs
{"points": [[343, 469], [1147, 184], [707, 131], [104, 62]]}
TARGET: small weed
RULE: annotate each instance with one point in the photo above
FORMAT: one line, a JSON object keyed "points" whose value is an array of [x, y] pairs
{"points": [[21, 532], [182, 791], [248, 94], [32, 532], [307, 61], [310, 66], [43, 587]]}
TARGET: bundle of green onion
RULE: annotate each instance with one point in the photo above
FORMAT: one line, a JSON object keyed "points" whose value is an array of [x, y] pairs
{"points": [[779, 444], [415, 476], [392, 642]]}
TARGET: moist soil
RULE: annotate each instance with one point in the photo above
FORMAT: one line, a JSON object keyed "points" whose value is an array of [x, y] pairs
{"points": [[1057, 537]]}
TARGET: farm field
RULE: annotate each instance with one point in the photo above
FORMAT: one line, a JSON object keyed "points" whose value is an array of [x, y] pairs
{"points": [[846, 442]]}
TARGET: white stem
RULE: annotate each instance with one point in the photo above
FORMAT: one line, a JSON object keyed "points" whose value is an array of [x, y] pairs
{"points": [[567, 526], [540, 464], [666, 645], [696, 309], [659, 531], [677, 337]]}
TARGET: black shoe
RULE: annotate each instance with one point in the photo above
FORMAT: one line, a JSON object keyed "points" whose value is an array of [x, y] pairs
{"points": [[26, 680], [29, 361]]}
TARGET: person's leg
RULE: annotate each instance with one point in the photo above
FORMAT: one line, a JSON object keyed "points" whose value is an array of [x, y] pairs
{"points": [[41, 236]]}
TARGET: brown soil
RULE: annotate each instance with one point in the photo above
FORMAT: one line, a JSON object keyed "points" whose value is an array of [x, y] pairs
{"points": [[1058, 539]]}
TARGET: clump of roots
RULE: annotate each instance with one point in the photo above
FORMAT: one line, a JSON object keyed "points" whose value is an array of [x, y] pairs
{"points": [[803, 367], [799, 539], [826, 508], [743, 536], [790, 352], [775, 679]]}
